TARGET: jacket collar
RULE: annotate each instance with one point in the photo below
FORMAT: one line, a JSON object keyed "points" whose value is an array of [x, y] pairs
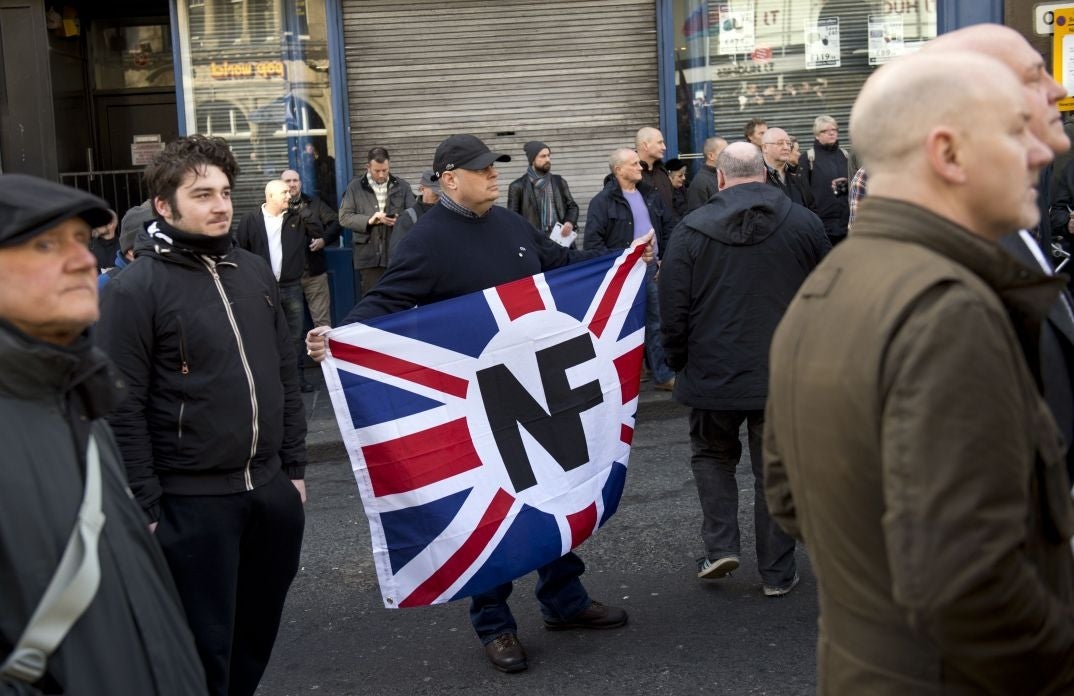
{"points": [[33, 369], [1024, 289], [392, 180]]}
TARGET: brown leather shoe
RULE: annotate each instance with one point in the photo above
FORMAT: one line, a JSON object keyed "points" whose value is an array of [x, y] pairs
{"points": [[506, 653], [596, 615], [665, 386]]}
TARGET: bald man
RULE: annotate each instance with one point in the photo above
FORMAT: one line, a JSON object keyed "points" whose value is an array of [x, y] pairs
{"points": [[704, 186], [281, 237], [776, 150], [649, 142], [905, 441], [730, 270], [1041, 93]]}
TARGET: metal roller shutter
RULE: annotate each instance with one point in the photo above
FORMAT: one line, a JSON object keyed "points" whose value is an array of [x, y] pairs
{"points": [[580, 76]]}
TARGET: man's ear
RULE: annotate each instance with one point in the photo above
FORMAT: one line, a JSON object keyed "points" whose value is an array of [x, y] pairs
{"points": [[721, 180], [162, 208], [944, 151]]}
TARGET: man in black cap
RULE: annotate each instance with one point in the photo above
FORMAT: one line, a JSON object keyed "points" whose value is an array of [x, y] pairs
{"points": [[127, 634], [465, 244], [541, 197]]}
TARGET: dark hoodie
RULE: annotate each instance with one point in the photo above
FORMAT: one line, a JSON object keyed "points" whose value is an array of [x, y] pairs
{"points": [[730, 271]]}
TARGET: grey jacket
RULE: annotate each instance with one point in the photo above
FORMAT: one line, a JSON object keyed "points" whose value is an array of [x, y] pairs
{"points": [[133, 637], [371, 242]]}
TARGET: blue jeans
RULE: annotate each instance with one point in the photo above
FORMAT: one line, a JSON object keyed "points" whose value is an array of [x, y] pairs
{"points": [[559, 592], [654, 348], [291, 300], [716, 452]]}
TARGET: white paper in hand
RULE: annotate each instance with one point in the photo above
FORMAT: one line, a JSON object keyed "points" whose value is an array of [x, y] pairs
{"points": [[556, 235]]}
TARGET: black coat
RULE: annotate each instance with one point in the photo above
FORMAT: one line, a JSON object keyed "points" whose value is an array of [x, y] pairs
{"points": [[316, 264], [729, 273], [522, 199], [1056, 351], [299, 228], [657, 177], [133, 637], [202, 348], [702, 188], [829, 163], [609, 223], [792, 186]]}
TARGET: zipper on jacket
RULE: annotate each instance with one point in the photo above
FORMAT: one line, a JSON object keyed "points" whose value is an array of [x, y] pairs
{"points": [[182, 407], [184, 366], [211, 266]]}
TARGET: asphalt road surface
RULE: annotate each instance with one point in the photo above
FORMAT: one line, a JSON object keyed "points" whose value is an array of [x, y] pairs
{"points": [[685, 636]]}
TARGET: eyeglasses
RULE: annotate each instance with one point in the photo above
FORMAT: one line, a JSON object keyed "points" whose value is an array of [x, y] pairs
{"points": [[780, 143], [829, 130]]}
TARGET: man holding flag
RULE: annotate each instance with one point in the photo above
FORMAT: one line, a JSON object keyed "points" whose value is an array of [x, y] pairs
{"points": [[463, 245]]}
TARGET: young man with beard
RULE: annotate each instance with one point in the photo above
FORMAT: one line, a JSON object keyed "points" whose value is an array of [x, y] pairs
{"points": [[212, 430], [541, 197], [315, 277]]}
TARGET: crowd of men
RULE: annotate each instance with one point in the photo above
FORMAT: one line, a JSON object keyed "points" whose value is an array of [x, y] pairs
{"points": [[905, 382]]}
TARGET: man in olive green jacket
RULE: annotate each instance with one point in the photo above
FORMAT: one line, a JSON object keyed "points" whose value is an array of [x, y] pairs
{"points": [[906, 440]]}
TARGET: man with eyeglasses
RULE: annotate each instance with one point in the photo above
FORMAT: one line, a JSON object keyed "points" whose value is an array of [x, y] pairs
{"points": [[776, 150], [825, 172]]}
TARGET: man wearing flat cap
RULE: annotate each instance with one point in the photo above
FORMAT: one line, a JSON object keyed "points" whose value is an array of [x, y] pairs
{"points": [[63, 493], [541, 197], [465, 244]]}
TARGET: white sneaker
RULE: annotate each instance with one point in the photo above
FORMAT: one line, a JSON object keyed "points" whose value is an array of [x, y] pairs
{"points": [[779, 591], [721, 567]]}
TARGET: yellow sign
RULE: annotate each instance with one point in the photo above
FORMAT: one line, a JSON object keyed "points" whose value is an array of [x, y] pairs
{"points": [[248, 70], [1063, 54]]}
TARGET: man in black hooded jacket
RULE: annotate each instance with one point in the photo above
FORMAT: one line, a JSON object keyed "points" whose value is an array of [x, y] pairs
{"points": [[730, 270]]}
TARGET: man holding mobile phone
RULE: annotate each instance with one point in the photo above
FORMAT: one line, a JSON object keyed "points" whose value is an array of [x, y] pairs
{"points": [[370, 207]]}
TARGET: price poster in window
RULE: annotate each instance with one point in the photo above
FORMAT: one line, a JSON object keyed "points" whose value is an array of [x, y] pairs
{"points": [[737, 31], [885, 38], [822, 44]]}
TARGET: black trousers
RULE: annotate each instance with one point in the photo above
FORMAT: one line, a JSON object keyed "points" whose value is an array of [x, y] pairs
{"points": [[233, 558]]}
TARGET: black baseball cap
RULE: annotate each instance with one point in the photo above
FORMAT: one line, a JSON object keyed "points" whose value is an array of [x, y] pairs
{"points": [[30, 206], [464, 152]]}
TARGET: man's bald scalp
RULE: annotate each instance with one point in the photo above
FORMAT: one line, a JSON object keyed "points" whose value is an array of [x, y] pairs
{"points": [[904, 100], [646, 134], [275, 185], [741, 160]]}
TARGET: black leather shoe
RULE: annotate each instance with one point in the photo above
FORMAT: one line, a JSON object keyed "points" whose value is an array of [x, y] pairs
{"points": [[596, 615], [506, 653]]}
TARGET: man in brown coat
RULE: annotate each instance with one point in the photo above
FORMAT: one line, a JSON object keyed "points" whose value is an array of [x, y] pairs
{"points": [[906, 440]]}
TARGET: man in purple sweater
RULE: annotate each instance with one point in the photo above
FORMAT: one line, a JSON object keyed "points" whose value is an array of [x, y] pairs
{"points": [[464, 244]]}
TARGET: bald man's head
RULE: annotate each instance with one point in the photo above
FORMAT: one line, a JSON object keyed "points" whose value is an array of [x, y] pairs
{"points": [[739, 163], [650, 144], [276, 196], [293, 181], [1009, 47], [950, 131], [776, 147], [712, 149]]}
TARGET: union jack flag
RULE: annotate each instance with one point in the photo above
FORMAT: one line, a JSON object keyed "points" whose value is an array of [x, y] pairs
{"points": [[489, 434]]}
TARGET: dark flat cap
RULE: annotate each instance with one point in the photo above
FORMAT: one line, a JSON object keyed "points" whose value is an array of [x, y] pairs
{"points": [[29, 206]]}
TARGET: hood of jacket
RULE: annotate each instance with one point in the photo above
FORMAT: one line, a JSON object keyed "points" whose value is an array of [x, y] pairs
{"points": [[741, 215]]}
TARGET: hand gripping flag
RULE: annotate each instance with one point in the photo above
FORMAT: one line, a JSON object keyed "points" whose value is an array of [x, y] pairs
{"points": [[489, 434]]}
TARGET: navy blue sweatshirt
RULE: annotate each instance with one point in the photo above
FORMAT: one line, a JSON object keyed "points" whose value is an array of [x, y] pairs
{"points": [[447, 254]]}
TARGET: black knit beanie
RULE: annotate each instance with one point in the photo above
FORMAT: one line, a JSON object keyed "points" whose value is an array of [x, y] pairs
{"points": [[532, 149]]}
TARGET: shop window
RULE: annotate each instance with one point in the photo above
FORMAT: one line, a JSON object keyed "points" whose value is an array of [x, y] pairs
{"points": [[255, 72], [132, 55], [783, 61]]}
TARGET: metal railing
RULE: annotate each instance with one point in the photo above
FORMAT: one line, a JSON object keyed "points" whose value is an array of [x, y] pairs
{"points": [[122, 188]]}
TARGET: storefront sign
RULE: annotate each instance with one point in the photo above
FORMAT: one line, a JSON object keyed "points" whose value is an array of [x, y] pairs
{"points": [[144, 148], [1044, 16], [247, 70], [885, 38], [737, 31], [1063, 54], [822, 44]]}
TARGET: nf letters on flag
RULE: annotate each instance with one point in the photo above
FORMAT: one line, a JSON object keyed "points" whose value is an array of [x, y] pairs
{"points": [[490, 433]]}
